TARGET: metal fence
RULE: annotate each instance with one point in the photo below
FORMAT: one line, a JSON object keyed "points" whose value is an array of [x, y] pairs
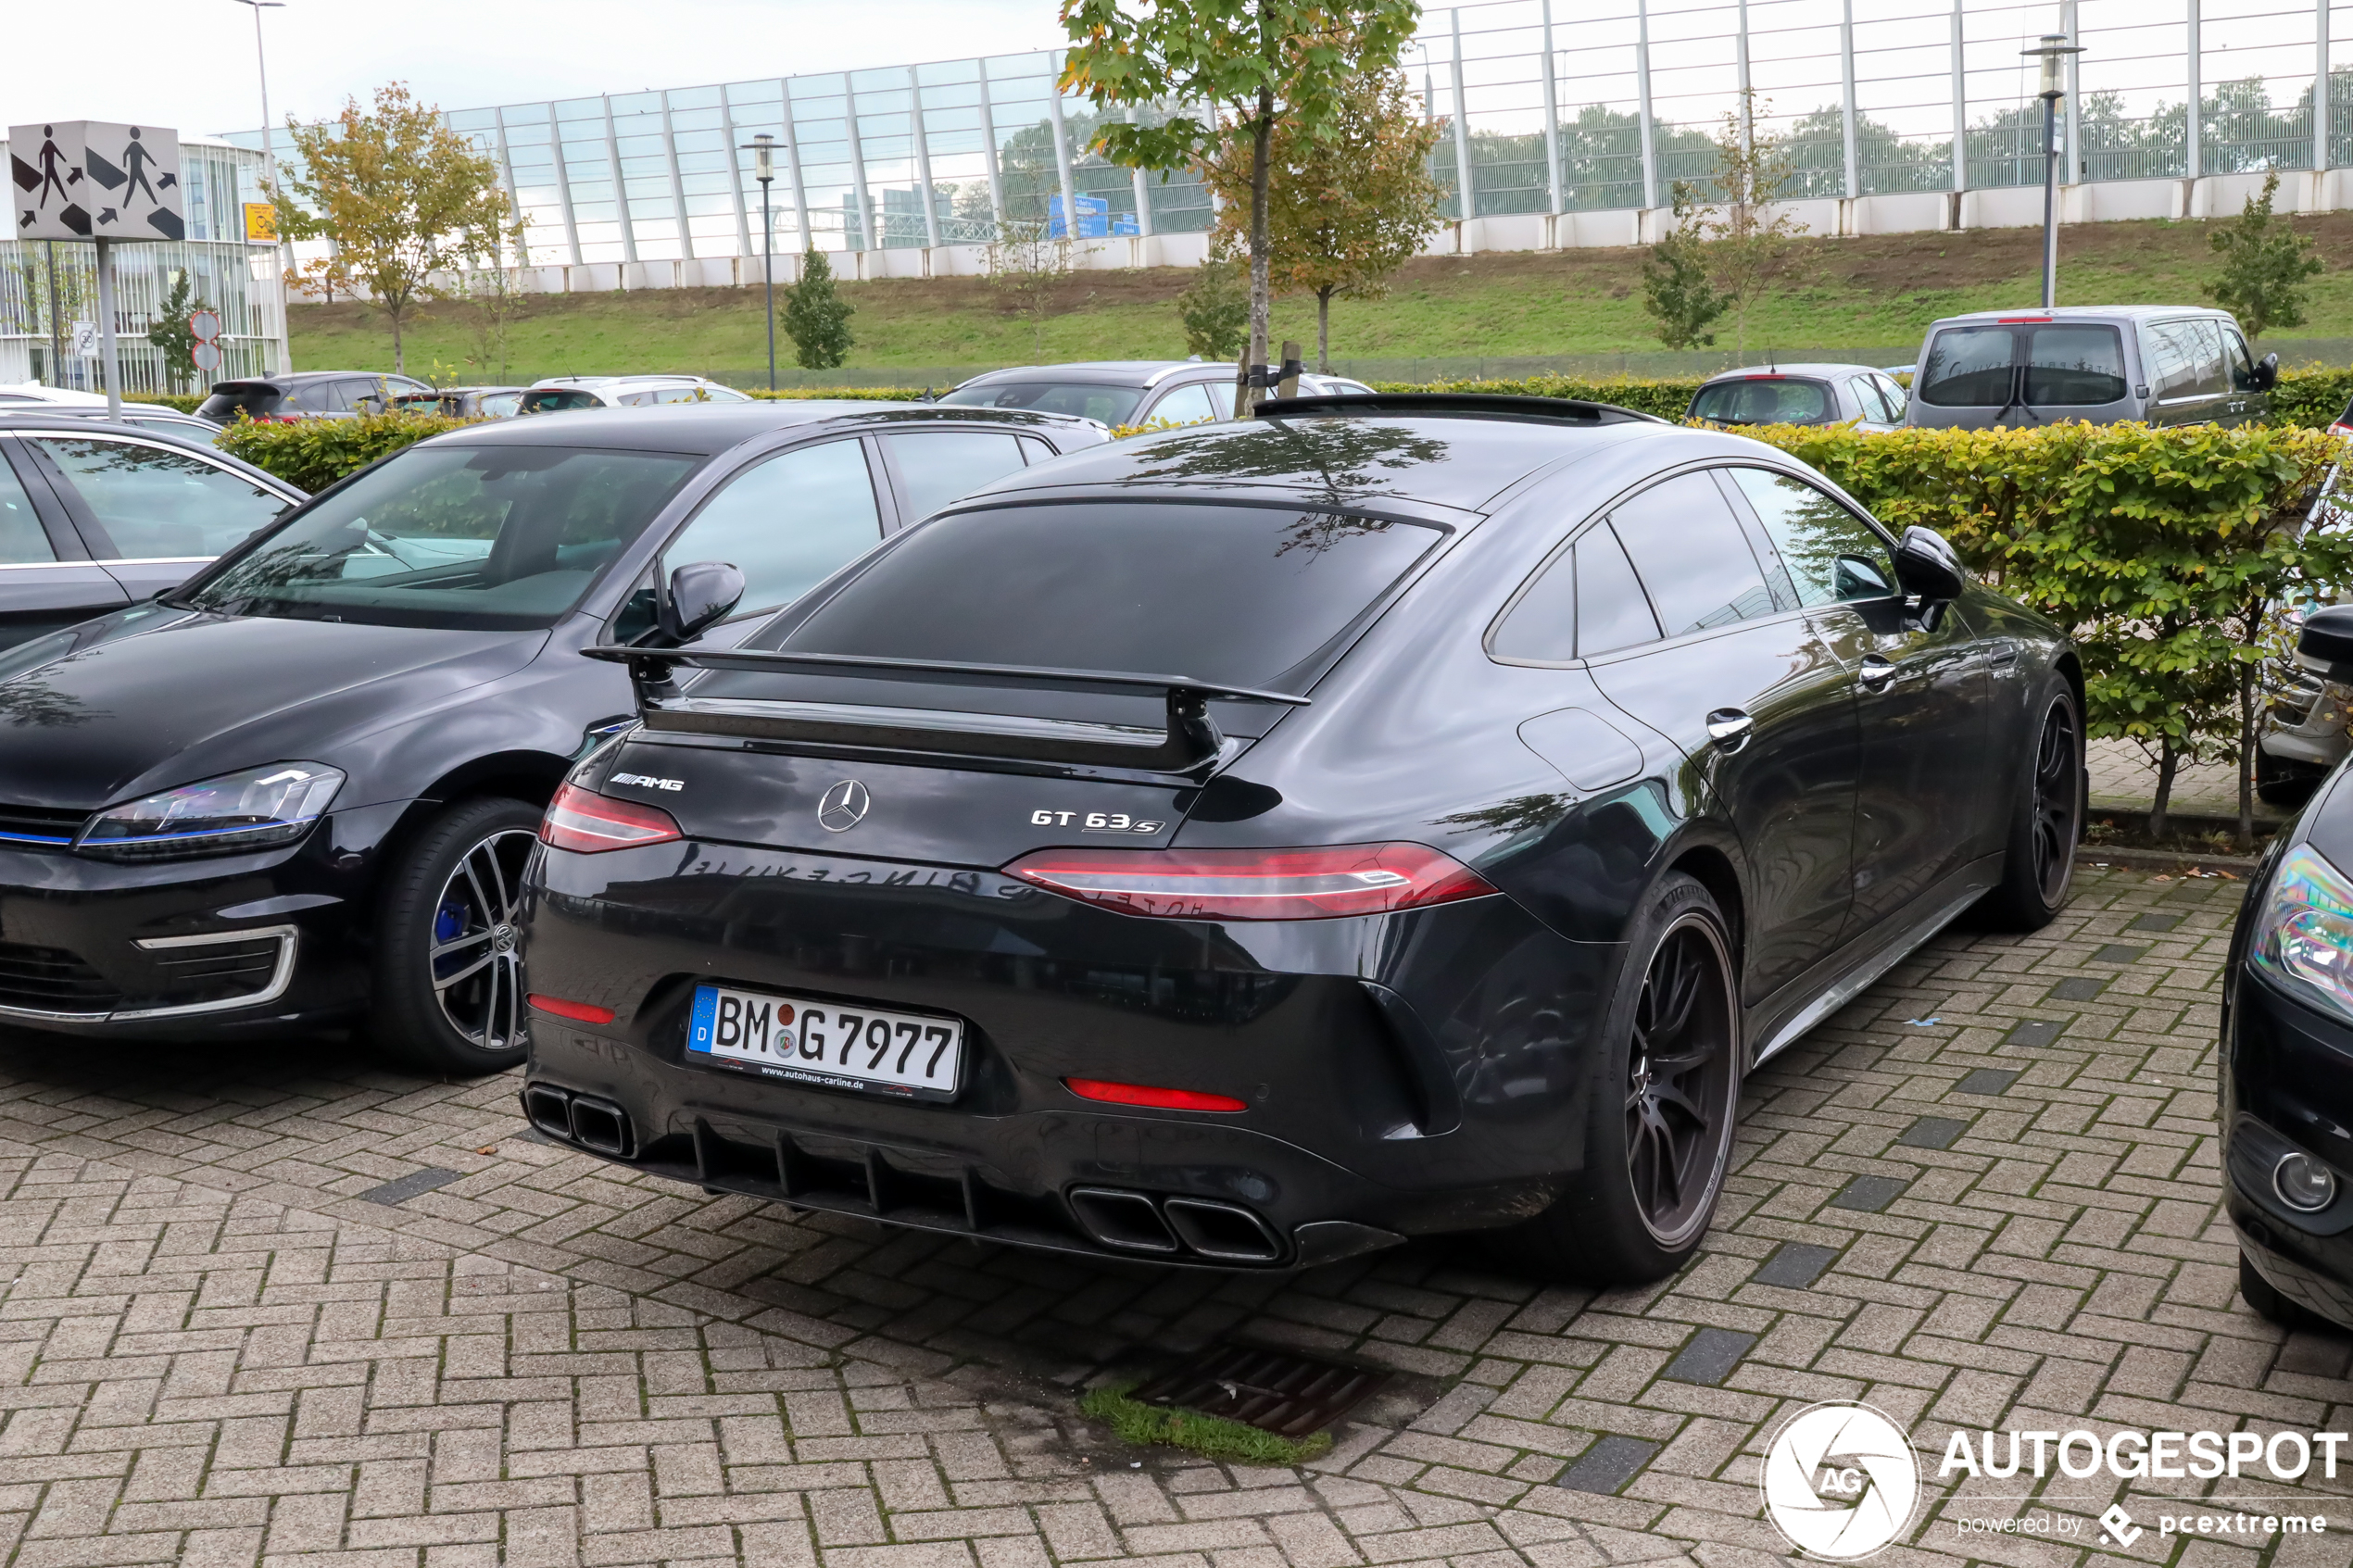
{"points": [[1548, 107]]}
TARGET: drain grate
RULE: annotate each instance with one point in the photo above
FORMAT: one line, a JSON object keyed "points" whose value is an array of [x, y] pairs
{"points": [[1276, 1391]]}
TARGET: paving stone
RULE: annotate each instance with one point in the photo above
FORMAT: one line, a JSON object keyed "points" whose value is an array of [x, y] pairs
{"points": [[1931, 1132], [415, 1184], [1608, 1466], [2077, 988], [1868, 1195], [1794, 1266], [2034, 1034], [1710, 1355], [2116, 952], [1986, 1081]]}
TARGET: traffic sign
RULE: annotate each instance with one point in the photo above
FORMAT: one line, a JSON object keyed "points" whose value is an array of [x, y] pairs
{"points": [[261, 223], [85, 339], [205, 354], [204, 325], [95, 180]]}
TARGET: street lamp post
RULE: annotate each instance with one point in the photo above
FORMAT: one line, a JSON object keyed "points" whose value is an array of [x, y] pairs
{"points": [[763, 148], [269, 173], [2052, 49]]}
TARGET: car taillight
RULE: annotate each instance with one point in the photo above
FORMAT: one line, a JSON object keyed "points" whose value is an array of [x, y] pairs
{"points": [[589, 822], [1348, 879], [2341, 428]]}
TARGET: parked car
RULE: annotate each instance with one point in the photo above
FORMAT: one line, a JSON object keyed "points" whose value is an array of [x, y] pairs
{"points": [[138, 416], [95, 516], [2286, 1038], [35, 392], [555, 394], [1123, 392], [463, 402], [2164, 364], [1536, 768], [306, 394], [1800, 394], [2343, 423], [301, 787]]}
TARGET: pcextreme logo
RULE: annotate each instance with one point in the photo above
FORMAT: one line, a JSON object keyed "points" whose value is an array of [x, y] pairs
{"points": [[1840, 1480]]}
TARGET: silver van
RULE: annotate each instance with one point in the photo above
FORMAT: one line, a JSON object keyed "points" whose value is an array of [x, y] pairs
{"points": [[2165, 364]]}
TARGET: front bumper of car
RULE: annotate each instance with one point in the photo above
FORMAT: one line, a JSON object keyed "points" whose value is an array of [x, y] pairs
{"points": [[1415, 1072], [2287, 1079], [200, 948], [2309, 721]]}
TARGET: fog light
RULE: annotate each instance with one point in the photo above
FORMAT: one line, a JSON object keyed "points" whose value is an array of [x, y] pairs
{"points": [[2303, 1182]]}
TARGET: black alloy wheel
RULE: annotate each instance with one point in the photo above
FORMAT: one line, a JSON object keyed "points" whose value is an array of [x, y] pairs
{"points": [[1660, 1109], [449, 990], [2038, 867], [1678, 1113]]}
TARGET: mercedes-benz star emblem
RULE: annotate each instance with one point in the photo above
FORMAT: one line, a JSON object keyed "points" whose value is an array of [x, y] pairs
{"points": [[844, 807]]}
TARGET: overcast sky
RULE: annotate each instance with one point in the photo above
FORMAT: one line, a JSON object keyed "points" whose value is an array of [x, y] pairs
{"points": [[189, 64]]}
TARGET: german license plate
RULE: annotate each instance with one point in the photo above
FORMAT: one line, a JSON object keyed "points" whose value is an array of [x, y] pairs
{"points": [[840, 1045]]}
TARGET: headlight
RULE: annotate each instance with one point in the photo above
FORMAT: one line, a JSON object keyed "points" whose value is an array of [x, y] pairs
{"points": [[2305, 934], [249, 810]]}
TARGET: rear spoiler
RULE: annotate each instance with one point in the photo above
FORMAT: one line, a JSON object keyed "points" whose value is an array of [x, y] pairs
{"points": [[1191, 735]]}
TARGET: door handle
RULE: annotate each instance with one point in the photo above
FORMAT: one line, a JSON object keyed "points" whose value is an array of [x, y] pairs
{"points": [[1729, 727], [1876, 672]]}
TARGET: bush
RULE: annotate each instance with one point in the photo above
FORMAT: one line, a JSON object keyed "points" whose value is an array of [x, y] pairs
{"points": [[858, 394], [2165, 552], [315, 453], [2312, 395]]}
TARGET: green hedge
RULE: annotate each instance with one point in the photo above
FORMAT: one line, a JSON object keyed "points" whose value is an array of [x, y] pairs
{"points": [[854, 393], [2310, 396], [315, 453]]}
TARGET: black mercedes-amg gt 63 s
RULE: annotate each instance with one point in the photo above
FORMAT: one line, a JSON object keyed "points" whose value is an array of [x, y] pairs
{"points": [[1256, 845]]}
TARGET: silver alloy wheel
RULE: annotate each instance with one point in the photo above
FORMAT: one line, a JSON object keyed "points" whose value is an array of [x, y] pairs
{"points": [[476, 970]]}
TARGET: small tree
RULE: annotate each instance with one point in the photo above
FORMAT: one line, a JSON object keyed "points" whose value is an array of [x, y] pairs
{"points": [[1676, 291], [1747, 241], [169, 331], [816, 316], [1264, 62], [495, 298], [1215, 311], [2266, 270], [1344, 212], [402, 197], [1028, 266]]}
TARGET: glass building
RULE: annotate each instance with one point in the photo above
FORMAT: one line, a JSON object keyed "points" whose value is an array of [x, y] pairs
{"points": [[46, 287]]}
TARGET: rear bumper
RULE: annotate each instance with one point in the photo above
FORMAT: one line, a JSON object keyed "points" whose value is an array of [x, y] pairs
{"points": [[1403, 1074]]}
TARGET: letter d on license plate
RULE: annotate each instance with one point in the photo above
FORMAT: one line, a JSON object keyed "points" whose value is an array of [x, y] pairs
{"points": [[839, 1046]]}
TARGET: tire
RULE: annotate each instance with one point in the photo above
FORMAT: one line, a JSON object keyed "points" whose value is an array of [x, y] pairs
{"points": [[1629, 1217], [447, 995], [2046, 822], [2269, 1304]]}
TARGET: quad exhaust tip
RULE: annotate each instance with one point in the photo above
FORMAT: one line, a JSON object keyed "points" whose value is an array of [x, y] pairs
{"points": [[593, 1123], [1137, 1223]]}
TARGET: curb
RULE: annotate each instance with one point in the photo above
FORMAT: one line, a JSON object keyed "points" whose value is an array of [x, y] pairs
{"points": [[2239, 866]]}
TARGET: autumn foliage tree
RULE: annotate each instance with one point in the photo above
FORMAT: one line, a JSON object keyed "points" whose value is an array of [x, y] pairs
{"points": [[1344, 210], [1264, 63], [405, 200]]}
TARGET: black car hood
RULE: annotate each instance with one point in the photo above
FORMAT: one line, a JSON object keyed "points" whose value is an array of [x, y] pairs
{"points": [[148, 700]]}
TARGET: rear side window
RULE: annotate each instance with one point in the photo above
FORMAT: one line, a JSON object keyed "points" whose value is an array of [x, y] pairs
{"points": [[1690, 554], [1222, 592], [1897, 400], [1868, 398], [938, 467], [2185, 358], [156, 503], [22, 539], [1190, 404], [786, 523], [1968, 368], [2074, 364], [1585, 603], [498, 405], [1763, 400]]}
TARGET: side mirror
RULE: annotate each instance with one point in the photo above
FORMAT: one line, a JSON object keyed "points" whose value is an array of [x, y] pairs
{"points": [[1926, 566], [700, 595], [2267, 372], [2325, 644]]}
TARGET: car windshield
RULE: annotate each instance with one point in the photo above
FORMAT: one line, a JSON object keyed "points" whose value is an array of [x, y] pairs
{"points": [[1235, 594], [490, 538], [1113, 405], [1763, 400]]}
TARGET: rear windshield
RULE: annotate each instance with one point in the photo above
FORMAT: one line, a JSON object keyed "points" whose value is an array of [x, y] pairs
{"points": [[253, 399], [1233, 593], [555, 399], [2077, 364], [1763, 400], [483, 538], [1113, 405]]}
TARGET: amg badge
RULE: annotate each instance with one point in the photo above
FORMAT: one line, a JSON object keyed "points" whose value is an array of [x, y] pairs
{"points": [[649, 781]]}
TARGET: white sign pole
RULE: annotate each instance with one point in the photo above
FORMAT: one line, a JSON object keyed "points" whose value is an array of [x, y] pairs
{"points": [[109, 360]]}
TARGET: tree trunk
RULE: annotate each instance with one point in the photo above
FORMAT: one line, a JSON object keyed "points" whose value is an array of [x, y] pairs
{"points": [[1262, 135], [399, 364], [1324, 331], [2168, 761]]}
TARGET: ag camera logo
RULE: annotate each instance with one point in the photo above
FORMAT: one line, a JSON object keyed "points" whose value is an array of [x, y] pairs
{"points": [[1840, 1480]]}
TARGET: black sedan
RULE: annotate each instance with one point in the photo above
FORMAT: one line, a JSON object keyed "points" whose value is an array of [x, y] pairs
{"points": [[308, 778], [2287, 1045], [1256, 844]]}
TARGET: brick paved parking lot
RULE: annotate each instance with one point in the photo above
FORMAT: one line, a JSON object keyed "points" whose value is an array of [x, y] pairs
{"points": [[284, 1306]]}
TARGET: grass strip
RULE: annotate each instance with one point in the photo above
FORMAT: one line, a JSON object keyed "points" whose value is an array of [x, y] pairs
{"points": [[1213, 1436]]}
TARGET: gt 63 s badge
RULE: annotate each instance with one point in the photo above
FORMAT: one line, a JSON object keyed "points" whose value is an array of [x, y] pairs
{"points": [[1096, 822]]}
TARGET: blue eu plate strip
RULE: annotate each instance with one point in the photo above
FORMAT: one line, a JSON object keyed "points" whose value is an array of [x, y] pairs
{"points": [[706, 1010]]}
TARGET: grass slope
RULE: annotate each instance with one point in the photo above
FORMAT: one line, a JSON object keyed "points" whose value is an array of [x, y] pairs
{"points": [[1835, 294]]}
